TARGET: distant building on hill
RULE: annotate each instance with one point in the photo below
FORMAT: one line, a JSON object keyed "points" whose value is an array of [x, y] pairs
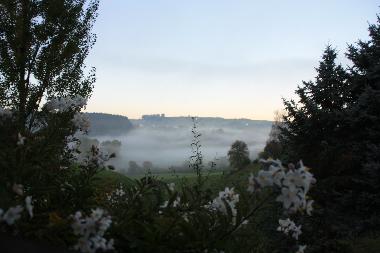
{"points": [[153, 116]]}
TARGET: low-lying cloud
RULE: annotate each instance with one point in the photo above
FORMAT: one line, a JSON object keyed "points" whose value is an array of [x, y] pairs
{"points": [[169, 144]]}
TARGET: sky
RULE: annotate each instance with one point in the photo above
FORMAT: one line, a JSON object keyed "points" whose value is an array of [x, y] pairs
{"points": [[215, 58]]}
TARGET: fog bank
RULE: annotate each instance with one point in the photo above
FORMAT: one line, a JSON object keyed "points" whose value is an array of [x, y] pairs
{"points": [[167, 142]]}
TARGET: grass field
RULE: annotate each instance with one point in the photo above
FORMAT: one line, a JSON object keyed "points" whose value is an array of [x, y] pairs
{"points": [[215, 180]]}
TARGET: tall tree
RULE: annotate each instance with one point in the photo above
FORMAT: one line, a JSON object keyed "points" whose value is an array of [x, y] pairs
{"points": [[43, 46], [364, 119], [312, 125], [335, 129], [238, 155]]}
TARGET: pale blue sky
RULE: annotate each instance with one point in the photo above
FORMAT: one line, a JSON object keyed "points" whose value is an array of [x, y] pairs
{"points": [[222, 58]]}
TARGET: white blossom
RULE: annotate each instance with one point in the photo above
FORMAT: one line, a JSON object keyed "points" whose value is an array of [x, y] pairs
{"points": [[21, 139], [185, 217], [309, 207], [278, 174], [175, 203], [307, 176], [65, 103], [171, 186], [227, 196], [292, 180], [81, 121], [290, 198], [120, 192], [29, 206], [13, 214], [265, 178], [288, 227], [294, 184], [301, 249], [116, 195], [252, 184], [91, 230]]}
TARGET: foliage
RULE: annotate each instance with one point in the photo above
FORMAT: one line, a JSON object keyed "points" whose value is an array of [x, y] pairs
{"points": [[335, 128], [238, 155], [43, 45], [155, 216], [317, 117], [48, 194], [148, 215], [196, 159]]}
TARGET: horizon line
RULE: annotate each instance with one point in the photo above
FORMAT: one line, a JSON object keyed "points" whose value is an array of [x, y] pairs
{"points": [[181, 116]]}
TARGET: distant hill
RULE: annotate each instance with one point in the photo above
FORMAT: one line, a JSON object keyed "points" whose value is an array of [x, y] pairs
{"points": [[108, 124], [103, 124], [159, 121]]}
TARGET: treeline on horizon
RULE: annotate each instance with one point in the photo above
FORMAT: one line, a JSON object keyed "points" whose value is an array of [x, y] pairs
{"points": [[105, 124]]}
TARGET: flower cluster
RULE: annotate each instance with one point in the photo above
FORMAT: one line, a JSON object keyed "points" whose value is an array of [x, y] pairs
{"points": [[14, 213], [293, 183], [115, 195], [29, 206], [11, 215], [120, 191], [91, 230], [301, 249], [81, 121], [66, 103], [21, 140], [171, 186], [175, 203], [289, 228], [229, 197]]}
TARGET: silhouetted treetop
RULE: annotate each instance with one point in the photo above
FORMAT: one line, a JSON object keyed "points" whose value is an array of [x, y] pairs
{"points": [[43, 46]]}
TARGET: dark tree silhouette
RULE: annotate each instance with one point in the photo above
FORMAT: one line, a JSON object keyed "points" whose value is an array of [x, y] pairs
{"points": [[312, 127], [335, 129], [238, 155], [43, 45]]}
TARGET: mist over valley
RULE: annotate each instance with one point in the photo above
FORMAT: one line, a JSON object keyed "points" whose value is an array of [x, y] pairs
{"points": [[166, 141]]}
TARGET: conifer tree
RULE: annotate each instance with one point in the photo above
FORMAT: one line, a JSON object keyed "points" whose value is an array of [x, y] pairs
{"points": [[364, 119], [335, 128], [312, 126]]}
